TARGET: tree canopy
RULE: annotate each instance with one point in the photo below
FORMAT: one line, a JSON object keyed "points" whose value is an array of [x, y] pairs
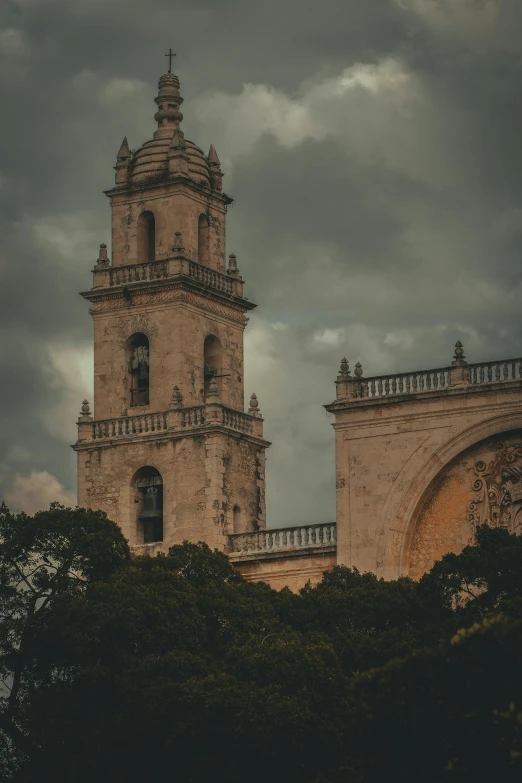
{"points": [[124, 669]]}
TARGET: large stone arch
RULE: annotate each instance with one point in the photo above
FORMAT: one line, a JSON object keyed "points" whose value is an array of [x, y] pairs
{"points": [[411, 491]]}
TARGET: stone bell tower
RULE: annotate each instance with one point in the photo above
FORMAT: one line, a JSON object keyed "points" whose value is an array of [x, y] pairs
{"points": [[170, 453]]}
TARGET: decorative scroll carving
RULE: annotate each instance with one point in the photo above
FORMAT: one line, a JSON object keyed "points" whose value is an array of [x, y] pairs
{"points": [[497, 488]]}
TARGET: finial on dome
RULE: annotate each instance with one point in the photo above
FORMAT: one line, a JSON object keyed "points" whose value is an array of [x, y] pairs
{"points": [[177, 155], [168, 101]]}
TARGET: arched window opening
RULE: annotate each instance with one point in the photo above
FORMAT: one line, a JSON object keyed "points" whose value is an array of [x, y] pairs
{"points": [[211, 361], [237, 520], [203, 239], [139, 369], [146, 237], [149, 499]]}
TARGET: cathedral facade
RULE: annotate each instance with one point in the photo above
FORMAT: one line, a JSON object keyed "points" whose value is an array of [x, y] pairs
{"points": [[171, 452]]}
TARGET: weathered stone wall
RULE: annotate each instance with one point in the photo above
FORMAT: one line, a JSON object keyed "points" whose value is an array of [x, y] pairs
{"points": [[388, 453], [243, 463], [203, 478], [292, 571], [176, 328], [176, 207]]}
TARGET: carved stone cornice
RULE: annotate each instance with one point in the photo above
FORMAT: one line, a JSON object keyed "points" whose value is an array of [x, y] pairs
{"points": [[156, 437], [178, 293], [168, 183]]}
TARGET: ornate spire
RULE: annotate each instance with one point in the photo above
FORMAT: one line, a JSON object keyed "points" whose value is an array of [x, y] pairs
{"points": [[213, 157], [216, 175], [168, 101], [124, 151], [122, 162]]}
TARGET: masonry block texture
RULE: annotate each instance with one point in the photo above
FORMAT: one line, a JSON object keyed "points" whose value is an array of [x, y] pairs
{"points": [[406, 463], [168, 285], [422, 458]]}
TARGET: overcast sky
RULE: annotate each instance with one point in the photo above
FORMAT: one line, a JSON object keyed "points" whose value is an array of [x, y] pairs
{"points": [[374, 152]]}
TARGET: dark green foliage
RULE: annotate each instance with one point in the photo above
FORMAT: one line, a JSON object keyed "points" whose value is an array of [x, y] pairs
{"points": [[174, 666]]}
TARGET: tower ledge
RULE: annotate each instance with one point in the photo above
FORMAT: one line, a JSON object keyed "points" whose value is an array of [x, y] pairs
{"points": [[122, 282], [154, 180]]}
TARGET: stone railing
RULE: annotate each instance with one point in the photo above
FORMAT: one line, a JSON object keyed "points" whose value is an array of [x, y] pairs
{"points": [[193, 416], [495, 372], [459, 374], [136, 273], [145, 423], [211, 278], [196, 416], [176, 419], [408, 383], [106, 276], [284, 539], [236, 420]]}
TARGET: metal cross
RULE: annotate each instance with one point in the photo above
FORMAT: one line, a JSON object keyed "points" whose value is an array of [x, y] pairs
{"points": [[170, 54]]}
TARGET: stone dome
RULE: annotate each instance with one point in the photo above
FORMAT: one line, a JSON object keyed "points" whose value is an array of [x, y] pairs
{"points": [[152, 159]]}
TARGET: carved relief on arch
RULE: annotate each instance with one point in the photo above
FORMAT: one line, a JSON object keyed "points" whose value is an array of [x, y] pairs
{"points": [[481, 485], [497, 488]]}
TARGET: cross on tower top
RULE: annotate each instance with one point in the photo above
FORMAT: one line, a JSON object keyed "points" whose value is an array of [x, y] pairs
{"points": [[170, 54]]}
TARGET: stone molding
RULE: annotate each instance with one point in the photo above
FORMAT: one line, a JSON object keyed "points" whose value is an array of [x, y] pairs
{"points": [[167, 435], [175, 292], [401, 519]]}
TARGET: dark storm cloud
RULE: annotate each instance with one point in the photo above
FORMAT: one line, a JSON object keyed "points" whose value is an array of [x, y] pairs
{"points": [[380, 217]]}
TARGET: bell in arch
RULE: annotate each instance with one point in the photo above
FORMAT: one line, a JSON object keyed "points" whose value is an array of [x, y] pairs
{"points": [[152, 515]]}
